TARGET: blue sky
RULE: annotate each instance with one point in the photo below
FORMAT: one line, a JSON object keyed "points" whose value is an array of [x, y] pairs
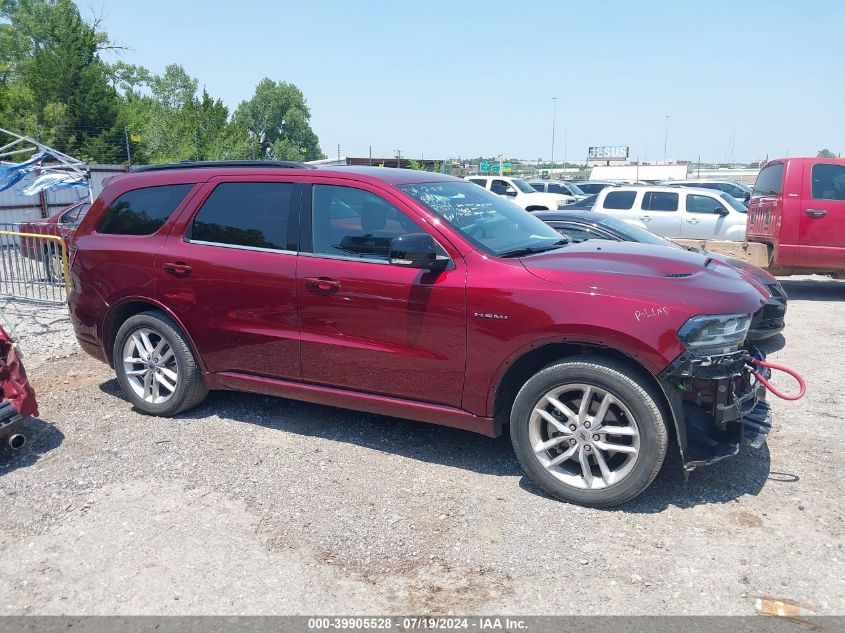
{"points": [[443, 79]]}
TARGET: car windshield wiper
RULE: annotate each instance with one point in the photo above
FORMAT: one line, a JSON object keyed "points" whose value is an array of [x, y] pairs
{"points": [[532, 250]]}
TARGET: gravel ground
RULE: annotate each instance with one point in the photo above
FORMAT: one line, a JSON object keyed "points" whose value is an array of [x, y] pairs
{"points": [[251, 504]]}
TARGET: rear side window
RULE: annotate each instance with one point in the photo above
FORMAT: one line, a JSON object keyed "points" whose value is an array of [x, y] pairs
{"points": [[142, 211], [660, 201], [769, 181], [555, 188], [247, 214], [828, 181], [620, 200]]}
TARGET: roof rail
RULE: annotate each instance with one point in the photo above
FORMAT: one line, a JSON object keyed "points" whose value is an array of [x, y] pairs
{"points": [[262, 164]]}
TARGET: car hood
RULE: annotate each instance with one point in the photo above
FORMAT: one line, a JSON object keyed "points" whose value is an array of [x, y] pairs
{"points": [[758, 273], [651, 273]]}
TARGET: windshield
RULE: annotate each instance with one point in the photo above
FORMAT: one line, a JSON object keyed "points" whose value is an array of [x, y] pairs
{"points": [[574, 189], [523, 186], [736, 204], [493, 224], [634, 233]]}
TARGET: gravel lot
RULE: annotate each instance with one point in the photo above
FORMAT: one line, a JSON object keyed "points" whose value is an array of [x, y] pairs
{"points": [[251, 504]]}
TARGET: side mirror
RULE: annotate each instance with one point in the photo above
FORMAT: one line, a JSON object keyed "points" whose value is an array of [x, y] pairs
{"points": [[510, 191], [416, 250], [721, 211]]}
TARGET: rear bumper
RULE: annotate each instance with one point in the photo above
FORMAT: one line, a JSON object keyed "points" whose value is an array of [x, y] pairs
{"points": [[717, 404]]}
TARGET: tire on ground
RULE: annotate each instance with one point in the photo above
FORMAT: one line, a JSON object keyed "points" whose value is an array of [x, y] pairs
{"points": [[190, 388], [625, 384]]}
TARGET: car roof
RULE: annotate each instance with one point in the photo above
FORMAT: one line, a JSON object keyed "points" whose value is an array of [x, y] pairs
{"points": [[202, 171], [667, 189]]}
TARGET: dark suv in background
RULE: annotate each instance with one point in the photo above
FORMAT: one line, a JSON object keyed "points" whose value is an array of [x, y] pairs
{"points": [[418, 295]]}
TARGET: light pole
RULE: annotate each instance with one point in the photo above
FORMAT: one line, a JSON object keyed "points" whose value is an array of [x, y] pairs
{"points": [[666, 139], [554, 114]]}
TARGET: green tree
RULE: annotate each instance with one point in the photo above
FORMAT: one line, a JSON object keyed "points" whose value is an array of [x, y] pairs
{"points": [[55, 83], [413, 164], [277, 121], [825, 153]]}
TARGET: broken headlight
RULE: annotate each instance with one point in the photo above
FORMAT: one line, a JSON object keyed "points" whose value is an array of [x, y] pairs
{"points": [[715, 333]]}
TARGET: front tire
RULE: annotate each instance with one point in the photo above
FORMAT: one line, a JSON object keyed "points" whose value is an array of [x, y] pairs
{"points": [[155, 366], [588, 430]]}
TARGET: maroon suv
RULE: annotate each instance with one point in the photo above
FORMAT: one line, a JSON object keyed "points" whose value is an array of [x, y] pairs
{"points": [[418, 295]]}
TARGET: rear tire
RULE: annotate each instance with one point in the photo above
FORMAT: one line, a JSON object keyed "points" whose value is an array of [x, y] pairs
{"points": [[54, 266], [600, 453], [155, 366]]}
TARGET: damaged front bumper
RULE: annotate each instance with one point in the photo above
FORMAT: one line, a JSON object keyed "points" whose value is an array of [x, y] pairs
{"points": [[717, 404], [17, 398]]}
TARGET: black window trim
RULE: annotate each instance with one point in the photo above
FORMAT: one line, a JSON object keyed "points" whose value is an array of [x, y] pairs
{"points": [[306, 220], [295, 209]]}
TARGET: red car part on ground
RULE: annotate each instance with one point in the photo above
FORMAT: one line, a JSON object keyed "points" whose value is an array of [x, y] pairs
{"points": [[17, 398]]}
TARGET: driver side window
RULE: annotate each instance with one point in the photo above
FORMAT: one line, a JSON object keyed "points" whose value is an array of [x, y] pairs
{"points": [[702, 204], [356, 224]]}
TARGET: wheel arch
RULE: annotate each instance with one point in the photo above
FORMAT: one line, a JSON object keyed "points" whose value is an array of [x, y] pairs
{"points": [[520, 369], [130, 306]]}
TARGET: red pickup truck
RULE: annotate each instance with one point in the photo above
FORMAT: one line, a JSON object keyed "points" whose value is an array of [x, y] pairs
{"points": [[797, 209]]}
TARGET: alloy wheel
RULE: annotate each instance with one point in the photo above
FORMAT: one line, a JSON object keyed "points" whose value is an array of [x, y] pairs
{"points": [[584, 436], [150, 366]]}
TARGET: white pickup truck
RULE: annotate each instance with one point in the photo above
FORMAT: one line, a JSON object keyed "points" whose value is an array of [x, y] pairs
{"points": [[677, 212], [521, 193]]}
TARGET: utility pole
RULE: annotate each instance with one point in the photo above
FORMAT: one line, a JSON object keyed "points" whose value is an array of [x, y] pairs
{"points": [[554, 115], [128, 152], [338, 154], [371, 155], [398, 157], [500, 164], [666, 139]]}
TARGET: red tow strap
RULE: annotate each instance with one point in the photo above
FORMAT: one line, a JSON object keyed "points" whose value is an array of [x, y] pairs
{"points": [[802, 387]]}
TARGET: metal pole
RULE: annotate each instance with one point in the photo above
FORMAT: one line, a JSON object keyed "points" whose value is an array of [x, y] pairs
{"points": [[500, 164], [338, 153], [666, 139], [554, 115], [398, 157], [371, 155]]}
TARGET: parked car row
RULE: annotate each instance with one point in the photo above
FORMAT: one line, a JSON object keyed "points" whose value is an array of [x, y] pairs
{"points": [[423, 296], [522, 194]]}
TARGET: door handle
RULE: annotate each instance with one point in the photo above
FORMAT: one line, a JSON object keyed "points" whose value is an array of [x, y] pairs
{"points": [[692, 221], [177, 269], [326, 284], [816, 213], [645, 218]]}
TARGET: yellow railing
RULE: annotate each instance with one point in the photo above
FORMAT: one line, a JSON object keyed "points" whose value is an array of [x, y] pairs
{"points": [[24, 256]]}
